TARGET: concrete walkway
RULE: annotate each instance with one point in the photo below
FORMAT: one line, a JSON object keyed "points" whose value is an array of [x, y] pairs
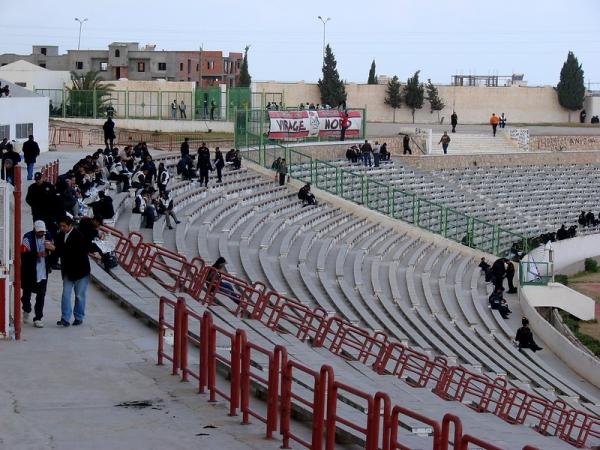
{"points": [[77, 388]]}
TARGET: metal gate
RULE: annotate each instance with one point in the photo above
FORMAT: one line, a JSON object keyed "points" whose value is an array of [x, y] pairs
{"points": [[6, 255]]}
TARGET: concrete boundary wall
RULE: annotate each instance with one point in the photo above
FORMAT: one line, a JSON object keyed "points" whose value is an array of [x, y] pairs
{"points": [[165, 126], [473, 104], [434, 162]]}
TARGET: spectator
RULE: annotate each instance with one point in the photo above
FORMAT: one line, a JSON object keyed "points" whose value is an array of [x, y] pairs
{"points": [[203, 164], [224, 287], [376, 153], [165, 206], [39, 196], [366, 150], [483, 264], [219, 164], [182, 113], [10, 159], [282, 171], [237, 160], [498, 272], [510, 275], [139, 202], [524, 337], [590, 219], [582, 116], [185, 168], [3, 145], [385, 155], [275, 166], [582, 220], [406, 145], [230, 156], [75, 267], [445, 141], [31, 150], [103, 207], [454, 121], [35, 267], [213, 106], [185, 148], [150, 213], [498, 302], [502, 121], [494, 123], [174, 109], [109, 133], [163, 177], [306, 196]]}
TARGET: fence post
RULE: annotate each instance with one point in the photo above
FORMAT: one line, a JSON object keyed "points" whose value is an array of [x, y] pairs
{"points": [[183, 341], [17, 253], [94, 104], [160, 105], [64, 106], [416, 207], [445, 221], [127, 103]]}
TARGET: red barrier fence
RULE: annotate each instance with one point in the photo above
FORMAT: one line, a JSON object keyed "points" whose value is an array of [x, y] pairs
{"points": [[289, 386], [50, 171], [281, 314]]}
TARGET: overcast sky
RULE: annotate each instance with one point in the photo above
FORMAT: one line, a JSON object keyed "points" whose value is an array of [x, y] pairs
{"points": [[439, 37]]}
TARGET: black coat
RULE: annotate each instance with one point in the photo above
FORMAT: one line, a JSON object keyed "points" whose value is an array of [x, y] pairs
{"points": [[73, 253], [31, 150], [109, 129], [41, 199]]}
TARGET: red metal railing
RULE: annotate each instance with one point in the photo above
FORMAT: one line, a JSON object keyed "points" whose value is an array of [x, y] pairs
{"points": [[280, 313], [70, 136]]}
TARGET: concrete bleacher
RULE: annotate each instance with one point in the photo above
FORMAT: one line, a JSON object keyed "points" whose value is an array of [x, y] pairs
{"points": [[415, 291], [140, 296]]}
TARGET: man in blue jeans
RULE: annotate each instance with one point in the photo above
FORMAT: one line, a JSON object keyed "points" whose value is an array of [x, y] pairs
{"points": [[31, 150], [75, 267]]}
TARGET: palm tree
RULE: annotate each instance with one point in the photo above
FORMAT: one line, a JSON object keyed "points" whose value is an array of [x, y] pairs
{"points": [[88, 91]]}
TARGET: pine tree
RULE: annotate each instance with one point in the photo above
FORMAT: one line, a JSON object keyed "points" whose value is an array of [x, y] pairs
{"points": [[372, 77], [435, 102], [571, 87], [393, 97], [333, 91], [245, 78], [414, 94]]}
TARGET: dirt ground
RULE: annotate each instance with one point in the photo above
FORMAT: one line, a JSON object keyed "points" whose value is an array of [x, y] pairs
{"points": [[588, 284]]}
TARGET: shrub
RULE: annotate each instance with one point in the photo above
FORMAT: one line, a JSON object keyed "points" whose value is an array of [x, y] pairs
{"points": [[563, 279], [591, 265]]}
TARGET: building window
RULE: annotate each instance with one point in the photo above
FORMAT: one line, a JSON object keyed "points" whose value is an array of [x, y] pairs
{"points": [[43, 50], [237, 64], [210, 64], [117, 53], [79, 65], [43, 65], [24, 130], [197, 67], [141, 67], [189, 65], [103, 66], [162, 66], [4, 131], [181, 67]]}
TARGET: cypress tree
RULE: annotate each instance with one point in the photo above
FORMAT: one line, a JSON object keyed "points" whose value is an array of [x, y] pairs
{"points": [[372, 77], [571, 87], [333, 91], [435, 102], [245, 78], [414, 94], [393, 97]]}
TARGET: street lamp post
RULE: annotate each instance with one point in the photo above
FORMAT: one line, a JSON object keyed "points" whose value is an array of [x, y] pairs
{"points": [[324, 26], [81, 21]]}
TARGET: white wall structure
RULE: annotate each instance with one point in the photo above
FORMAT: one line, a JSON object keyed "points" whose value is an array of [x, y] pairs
{"points": [[34, 77], [24, 107]]}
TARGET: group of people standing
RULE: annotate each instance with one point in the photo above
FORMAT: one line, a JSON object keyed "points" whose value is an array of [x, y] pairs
{"points": [[367, 154], [204, 163]]}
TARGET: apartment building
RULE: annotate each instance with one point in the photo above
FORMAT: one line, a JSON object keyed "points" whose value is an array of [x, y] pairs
{"points": [[134, 62]]}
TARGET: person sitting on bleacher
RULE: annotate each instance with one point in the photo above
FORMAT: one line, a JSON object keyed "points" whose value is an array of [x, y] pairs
{"points": [[165, 206], [120, 174], [561, 233], [484, 266], [590, 219], [306, 196], [237, 160], [139, 203], [185, 168], [150, 213], [138, 180], [163, 178], [524, 337], [497, 302], [582, 220], [149, 169], [385, 155], [230, 156], [224, 286], [103, 207], [126, 157]]}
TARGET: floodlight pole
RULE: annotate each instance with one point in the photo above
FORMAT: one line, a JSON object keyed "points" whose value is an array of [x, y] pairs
{"points": [[81, 21], [324, 28]]}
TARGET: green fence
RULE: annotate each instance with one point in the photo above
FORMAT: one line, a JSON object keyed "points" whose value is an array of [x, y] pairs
{"points": [[385, 198], [534, 273]]}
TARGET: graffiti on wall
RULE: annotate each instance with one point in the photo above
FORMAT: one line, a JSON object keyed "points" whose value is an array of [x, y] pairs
{"points": [[521, 135], [565, 143]]}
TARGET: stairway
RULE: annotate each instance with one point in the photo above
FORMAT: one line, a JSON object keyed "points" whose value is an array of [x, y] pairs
{"points": [[465, 144]]}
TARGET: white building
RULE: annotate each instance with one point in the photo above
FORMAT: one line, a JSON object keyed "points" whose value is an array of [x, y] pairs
{"points": [[24, 113], [33, 77]]}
